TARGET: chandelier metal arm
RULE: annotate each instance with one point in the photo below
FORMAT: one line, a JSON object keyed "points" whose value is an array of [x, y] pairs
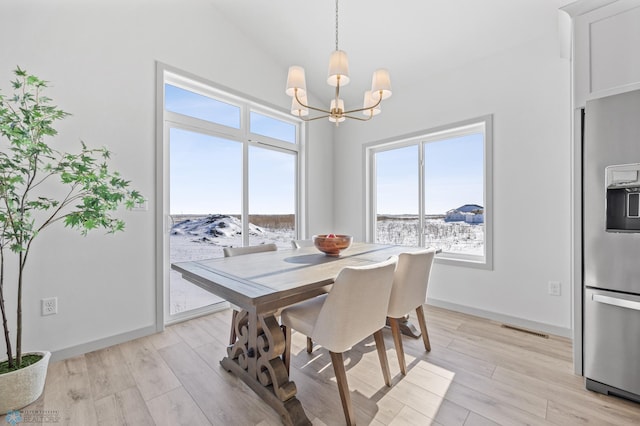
{"points": [[314, 118], [358, 118], [328, 113], [371, 107], [309, 106]]}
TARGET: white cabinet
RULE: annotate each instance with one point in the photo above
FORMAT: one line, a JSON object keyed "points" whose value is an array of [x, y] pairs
{"points": [[606, 51]]}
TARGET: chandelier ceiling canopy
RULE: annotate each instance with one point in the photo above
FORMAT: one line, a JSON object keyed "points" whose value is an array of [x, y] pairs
{"points": [[338, 76]]}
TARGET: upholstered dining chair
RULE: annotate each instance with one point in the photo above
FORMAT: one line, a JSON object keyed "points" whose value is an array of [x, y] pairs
{"points": [[296, 244], [239, 251], [409, 292], [354, 308]]}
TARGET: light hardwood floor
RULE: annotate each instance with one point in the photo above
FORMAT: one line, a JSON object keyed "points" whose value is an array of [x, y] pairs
{"points": [[477, 373]]}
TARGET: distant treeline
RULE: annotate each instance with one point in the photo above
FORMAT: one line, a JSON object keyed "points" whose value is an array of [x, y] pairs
{"points": [[273, 221], [408, 216]]}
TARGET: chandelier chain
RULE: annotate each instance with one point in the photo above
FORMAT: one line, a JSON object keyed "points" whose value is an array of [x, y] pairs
{"points": [[337, 25]]}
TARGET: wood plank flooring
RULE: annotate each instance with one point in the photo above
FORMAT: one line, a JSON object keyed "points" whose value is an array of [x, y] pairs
{"points": [[477, 374]]}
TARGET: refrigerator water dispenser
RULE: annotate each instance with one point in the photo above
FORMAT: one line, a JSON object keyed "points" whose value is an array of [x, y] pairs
{"points": [[623, 198]]}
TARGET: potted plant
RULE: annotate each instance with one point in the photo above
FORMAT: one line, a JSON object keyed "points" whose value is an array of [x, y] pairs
{"points": [[39, 187]]}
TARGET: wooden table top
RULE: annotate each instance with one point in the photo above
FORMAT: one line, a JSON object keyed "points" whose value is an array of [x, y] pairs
{"points": [[270, 280]]}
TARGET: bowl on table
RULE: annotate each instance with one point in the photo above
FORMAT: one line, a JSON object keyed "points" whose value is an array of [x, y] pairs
{"points": [[332, 244]]}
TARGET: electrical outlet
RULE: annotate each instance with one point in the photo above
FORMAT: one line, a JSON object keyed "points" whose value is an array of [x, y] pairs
{"points": [[554, 288], [141, 207], [49, 306]]}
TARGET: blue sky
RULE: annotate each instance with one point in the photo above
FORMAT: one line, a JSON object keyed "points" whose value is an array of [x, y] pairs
{"points": [[206, 171], [453, 176], [206, 176]]}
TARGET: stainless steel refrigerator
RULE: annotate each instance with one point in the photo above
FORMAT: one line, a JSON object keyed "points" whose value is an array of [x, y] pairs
{"points": [[611, 245]]}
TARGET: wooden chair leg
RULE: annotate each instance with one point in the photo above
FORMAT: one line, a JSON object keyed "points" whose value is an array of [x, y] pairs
{"points": [[343, 387], [423, 328], [309, 345], [382, 354], [397, 340], [287, 348], [232, 335]]}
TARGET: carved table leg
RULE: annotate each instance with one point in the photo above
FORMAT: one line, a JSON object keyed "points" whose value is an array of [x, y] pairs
{"points": [[407, 328], [256, 357]]}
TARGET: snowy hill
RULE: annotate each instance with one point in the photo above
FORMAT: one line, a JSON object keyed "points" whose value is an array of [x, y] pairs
{"points": [[214, 226], [204, 237]]}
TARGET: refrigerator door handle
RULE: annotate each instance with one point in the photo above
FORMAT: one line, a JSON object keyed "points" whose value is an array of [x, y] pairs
{"points": [[623, 303]]}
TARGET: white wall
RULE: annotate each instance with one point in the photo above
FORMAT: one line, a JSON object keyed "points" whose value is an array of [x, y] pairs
{"points": [[527, 91], [320, 179], [101, 58]]}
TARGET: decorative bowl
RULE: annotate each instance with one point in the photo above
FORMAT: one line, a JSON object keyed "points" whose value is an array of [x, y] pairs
{"points": [[332, 244]]}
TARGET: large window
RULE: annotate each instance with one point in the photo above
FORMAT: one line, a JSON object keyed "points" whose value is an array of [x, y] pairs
{"points": [[231, 177], [434, 190]]}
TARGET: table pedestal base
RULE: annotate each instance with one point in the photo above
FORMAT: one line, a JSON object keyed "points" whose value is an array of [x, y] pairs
{"points": [[407, 328], [256, 358], [290, 411]]}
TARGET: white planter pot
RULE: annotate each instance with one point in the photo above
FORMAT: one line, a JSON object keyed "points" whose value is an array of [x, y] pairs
{"points": [[21, 387]]}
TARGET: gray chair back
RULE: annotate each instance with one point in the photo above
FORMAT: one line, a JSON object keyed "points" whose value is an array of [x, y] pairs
{"points": [[239, 251]]}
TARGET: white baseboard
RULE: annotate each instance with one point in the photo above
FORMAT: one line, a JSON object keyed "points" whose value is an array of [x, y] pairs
{"points": [[95, 345], [505, 319], [146, 331]]}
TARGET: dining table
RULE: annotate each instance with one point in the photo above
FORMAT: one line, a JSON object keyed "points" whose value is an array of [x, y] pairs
{"points": [[260, 284]]}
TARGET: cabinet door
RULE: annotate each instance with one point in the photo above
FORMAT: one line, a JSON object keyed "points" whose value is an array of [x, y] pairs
{"points": [[607, 58]]}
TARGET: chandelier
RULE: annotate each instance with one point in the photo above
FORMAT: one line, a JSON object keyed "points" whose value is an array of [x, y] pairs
{"points": [[338, 76]]}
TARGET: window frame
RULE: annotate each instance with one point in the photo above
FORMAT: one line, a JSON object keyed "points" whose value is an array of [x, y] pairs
{"points": [[267, 139], [166, 119], [242, 135], [420, 138]]}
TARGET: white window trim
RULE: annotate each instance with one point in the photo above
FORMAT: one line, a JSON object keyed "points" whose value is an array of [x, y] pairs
{"points": [[166, 119], [418, 138]]}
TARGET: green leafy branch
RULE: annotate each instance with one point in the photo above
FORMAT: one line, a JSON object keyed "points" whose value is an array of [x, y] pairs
{"points": [[91, 191]]}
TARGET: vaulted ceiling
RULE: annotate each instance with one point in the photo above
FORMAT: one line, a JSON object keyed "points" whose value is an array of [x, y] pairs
{"points": [[411, 38]]}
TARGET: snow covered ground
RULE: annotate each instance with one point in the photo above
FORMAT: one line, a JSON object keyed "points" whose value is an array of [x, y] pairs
{"points": [[205, 237], [452, 237], [197, 238], [200, 238]]}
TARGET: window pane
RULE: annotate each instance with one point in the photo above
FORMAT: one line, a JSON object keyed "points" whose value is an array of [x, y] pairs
{"points": [[205, 205], [200, 106], [397, 196], [454, 194], [270, 127], [272, 196], [206, 174]]}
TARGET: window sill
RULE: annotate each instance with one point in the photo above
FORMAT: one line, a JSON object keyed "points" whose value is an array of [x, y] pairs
{"points": [[467, 261]]}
